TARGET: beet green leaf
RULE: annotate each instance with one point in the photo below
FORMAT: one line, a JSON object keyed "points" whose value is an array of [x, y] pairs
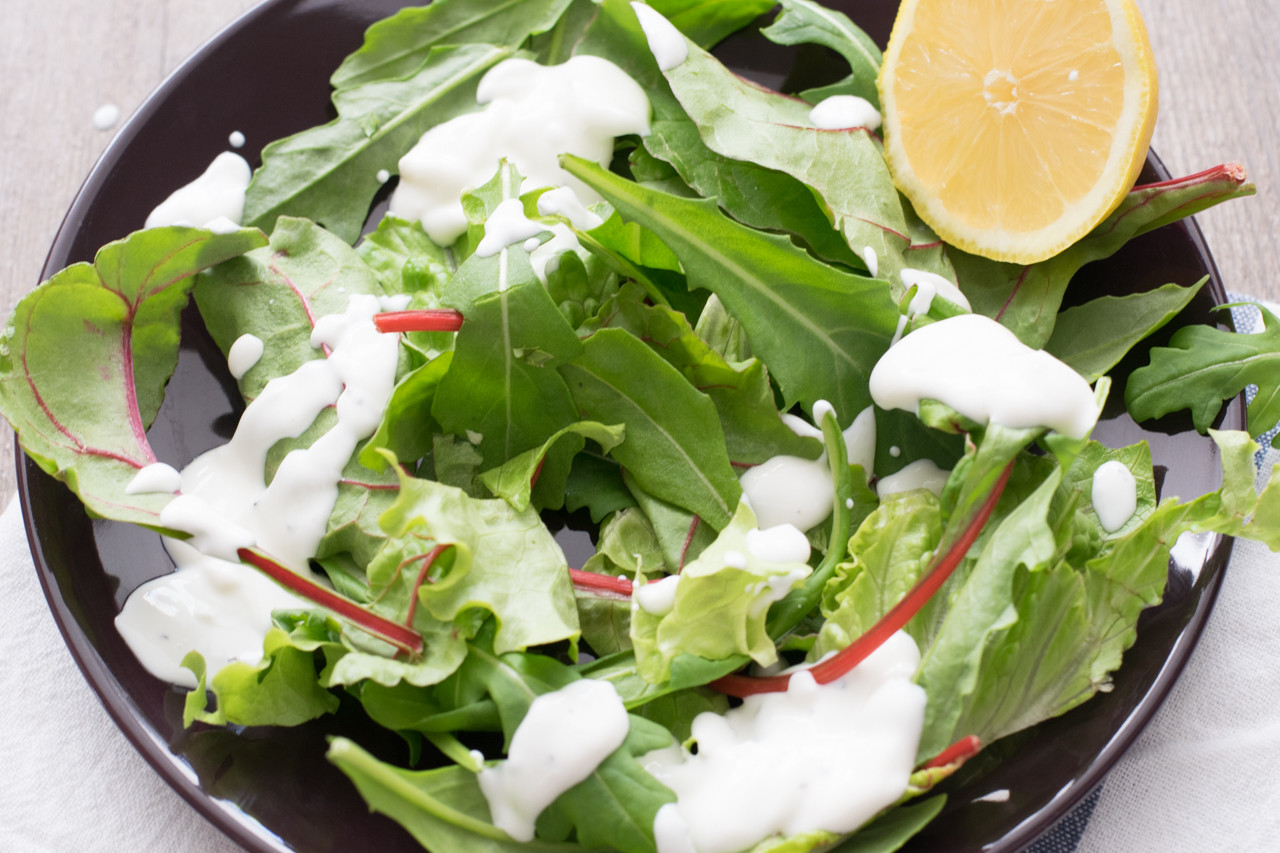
{"points": [[114, 323]]}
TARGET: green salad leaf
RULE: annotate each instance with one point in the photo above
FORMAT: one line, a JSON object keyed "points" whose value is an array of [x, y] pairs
{"points": [[116, 321], [1202, 367]]}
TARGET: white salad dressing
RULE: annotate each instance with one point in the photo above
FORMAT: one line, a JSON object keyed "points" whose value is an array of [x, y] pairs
{"points": [[217, 194], [236, 139], [1114, 495], [156, 478], [980, 368], [563, 201], [928, 285], [508, 225], [921, 474], [782, 543], [106, 116], [659, 597], [789, 490], [244, 353], [561, 740], [666, 43], [532, 114], [871, 259], [840, 112], [213, 603], [797, 491], [815, 757]]}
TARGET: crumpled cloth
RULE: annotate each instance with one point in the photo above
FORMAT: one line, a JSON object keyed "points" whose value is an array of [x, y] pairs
{"points": [[69, 780]]}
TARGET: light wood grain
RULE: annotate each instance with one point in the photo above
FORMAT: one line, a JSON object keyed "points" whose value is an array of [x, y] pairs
{"points": [[62, 59]]}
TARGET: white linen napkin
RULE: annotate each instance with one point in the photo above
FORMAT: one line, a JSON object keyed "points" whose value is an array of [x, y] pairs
{"points": [[69, 780]]}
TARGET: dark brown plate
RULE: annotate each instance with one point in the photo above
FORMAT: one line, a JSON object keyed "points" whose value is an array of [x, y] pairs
{"points": [[271, 789]]}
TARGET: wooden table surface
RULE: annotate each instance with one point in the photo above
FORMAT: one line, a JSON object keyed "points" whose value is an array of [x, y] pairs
{"points": [[60, 60]]}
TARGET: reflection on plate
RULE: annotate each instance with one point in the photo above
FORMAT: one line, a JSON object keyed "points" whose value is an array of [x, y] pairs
{"points": [[271, 789]]}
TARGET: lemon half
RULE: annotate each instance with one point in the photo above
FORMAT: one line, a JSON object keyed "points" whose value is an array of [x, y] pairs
{"points": [[1016, 126]]}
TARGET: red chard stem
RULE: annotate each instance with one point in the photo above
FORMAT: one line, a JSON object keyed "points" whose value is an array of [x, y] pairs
{"points": [[901, 613], [392, 632], [426, 320], [958, 753], [596, 582]]}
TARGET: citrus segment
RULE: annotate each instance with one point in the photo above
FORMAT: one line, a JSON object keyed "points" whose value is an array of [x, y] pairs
{"points": [[1015, 126]]}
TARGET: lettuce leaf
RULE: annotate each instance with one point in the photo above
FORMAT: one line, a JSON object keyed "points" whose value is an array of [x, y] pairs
{"points": [[721, 604]]}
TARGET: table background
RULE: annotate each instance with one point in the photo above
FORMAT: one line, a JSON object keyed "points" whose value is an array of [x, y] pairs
{"points": [[60, 60]]}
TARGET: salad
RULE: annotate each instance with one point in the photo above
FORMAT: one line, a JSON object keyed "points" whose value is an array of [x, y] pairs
{"points": [[686, 349]]}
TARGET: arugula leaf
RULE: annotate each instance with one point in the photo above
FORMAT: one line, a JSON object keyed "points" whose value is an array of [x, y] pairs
{"points": [[674, 448], [595, 484], [330, 173], [397, 47], [513, 480], [1095, 336], [443, 809], [1027, 298], [708, 21], [1202, 367], [115, 321], [753, 430], [820, 330], [407, 426], [845, 168], [501, 383], [806, 22]]}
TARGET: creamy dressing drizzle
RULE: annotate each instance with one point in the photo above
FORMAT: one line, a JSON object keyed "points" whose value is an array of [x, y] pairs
{"points": [[508, 225], [532, 114], [213, 603], [871, 259], [797, 491], [928, 285], [666, 43], [106, 116], [659, 597], [814, 757], [921, 474], [561, 740], [244, 354], [156, 478], [218, 194], [980, 368], [840, 112], [1114, 495]]}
